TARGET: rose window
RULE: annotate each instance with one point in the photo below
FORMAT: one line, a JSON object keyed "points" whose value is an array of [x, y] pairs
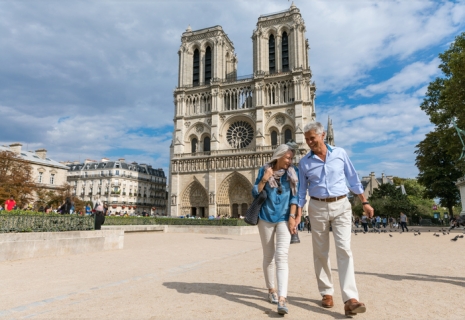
{"points": [[240, 134]]}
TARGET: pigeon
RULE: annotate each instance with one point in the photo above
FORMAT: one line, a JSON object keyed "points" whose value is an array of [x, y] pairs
{"points": [[415, 234], [419, 233], [437, 235], [390, 235], [461, 236], [454, 239], [444, 233]]}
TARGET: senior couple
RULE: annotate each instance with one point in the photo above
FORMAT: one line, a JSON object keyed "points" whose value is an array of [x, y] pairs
{"points": [[322, 173]]}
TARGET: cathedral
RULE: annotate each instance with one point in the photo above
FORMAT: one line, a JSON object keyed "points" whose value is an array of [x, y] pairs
{"points": [[226, 126]]}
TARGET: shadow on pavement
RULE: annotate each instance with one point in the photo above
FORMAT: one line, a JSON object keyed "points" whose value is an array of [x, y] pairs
{"points": [[246, 294], [457, 281]]}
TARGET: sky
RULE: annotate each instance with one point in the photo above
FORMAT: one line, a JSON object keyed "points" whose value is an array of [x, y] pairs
{"points": [[94, 79]]}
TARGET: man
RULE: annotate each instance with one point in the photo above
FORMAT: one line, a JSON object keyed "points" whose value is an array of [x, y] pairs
{"points": [[403, 221], [323, 173], [10, 204]]}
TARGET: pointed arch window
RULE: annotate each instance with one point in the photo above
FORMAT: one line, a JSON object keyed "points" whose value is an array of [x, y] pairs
{"points": [[285, 52], [206, 144], [274, 138], [194, 144], [208, 65], [196, 68], [287, 135], [271, 52]]}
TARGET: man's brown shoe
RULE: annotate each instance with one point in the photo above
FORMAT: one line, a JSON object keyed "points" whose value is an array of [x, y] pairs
{"points": [[327, 301], [352, 307]]}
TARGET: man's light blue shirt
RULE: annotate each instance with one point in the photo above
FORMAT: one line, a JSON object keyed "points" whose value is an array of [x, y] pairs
{"points": [[276, 207], [327, 179]]}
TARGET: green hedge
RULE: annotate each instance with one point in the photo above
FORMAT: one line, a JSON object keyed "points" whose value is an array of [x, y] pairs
{"points": [[29, 221], [112, 221]]}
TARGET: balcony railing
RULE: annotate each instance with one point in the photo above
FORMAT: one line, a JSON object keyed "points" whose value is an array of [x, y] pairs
{"points": [[227, 151]]}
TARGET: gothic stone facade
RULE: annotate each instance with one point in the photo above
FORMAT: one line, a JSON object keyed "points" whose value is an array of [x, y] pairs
{"points": [[226, 126]]}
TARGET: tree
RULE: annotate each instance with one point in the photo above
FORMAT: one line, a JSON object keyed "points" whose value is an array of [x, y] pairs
{"points": [[438, 171], [437, 154], [391, 201], [16, 179]]}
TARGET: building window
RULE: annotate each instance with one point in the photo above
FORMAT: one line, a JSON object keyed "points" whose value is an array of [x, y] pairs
{"points": [[52, 178], [287, 135], [206, 144], [117, 172], [194, 144], [274, 138], [85, 174], [196, 68], [271, 52], [239, 134], [40, 177], [208, 65], [285, 52]]}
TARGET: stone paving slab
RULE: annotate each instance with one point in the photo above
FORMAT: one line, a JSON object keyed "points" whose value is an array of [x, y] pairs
{"points": [[201, 276]]}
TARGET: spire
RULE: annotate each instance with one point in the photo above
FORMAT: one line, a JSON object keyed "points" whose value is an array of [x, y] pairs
{"points": [[330, 133], [292, 5], [189, 29]]}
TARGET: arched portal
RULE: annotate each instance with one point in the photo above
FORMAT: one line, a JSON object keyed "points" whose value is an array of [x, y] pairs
{"points": [[195, 200], [233, 192]]}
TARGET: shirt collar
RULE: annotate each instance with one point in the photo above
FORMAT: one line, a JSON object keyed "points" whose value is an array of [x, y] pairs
{"points": [[327, 146]]}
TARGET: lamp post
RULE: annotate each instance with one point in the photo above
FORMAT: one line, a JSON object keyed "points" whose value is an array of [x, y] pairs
{"points": [[461, 182]]}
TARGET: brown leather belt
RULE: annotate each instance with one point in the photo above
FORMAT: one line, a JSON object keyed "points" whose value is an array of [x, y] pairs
{"points": [[329, 199]]}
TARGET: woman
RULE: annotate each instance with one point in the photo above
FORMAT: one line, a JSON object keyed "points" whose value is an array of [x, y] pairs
{"points": [[279, 179], [99, 217], [65, 207]]}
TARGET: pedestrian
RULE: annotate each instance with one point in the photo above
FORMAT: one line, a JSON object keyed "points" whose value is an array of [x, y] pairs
{"points": [[391, 220], [278, 219], [307, 222], [357, 222], [88, 209], [99, 217], [384, 222], [323, 173], [65, 208], [10, 204], [403, 221], [365, 223]]}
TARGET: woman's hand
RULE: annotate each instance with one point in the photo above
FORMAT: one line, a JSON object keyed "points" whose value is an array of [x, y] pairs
{"points": [[267, 174], [292, 225]]}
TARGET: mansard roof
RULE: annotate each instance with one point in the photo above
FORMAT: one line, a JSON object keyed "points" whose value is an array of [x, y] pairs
{"points": [[31, 156], [106, 165]]}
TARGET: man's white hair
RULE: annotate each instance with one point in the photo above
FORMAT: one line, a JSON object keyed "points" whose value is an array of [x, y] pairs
{"points": [[314, 126]]}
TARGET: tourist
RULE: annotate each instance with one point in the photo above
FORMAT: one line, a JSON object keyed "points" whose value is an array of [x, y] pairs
{"points": [[403, 221], [323, 173], [365, 223], [277, 220], [307, 223], [10, 204], [384, 222], [65, 207], [99, 217], [88, 209], [357, 222]]}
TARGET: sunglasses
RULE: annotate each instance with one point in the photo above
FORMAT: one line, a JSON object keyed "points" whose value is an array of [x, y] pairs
{"points": [[280, 190]]}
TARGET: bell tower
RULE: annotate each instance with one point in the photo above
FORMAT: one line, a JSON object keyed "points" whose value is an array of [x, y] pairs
{"points": [[227, 125]]}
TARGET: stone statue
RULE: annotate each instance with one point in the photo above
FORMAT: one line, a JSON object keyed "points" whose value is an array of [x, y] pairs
{"points": [[461, 134]]}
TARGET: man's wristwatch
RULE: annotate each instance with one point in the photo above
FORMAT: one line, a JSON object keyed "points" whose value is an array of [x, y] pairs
{"points": [[292, 215], [364, 203]]}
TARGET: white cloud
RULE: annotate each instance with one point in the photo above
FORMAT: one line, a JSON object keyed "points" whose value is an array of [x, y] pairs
{"points": [[411, 76]]}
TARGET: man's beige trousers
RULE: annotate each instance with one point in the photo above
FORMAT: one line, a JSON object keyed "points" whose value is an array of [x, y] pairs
{"points": [[338, 214]]}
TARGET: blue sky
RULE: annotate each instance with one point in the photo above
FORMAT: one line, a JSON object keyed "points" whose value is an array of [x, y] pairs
{"points": [[93, 79]]}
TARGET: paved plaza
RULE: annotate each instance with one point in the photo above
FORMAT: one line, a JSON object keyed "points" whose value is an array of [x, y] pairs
{"points": [[198, 276]]}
